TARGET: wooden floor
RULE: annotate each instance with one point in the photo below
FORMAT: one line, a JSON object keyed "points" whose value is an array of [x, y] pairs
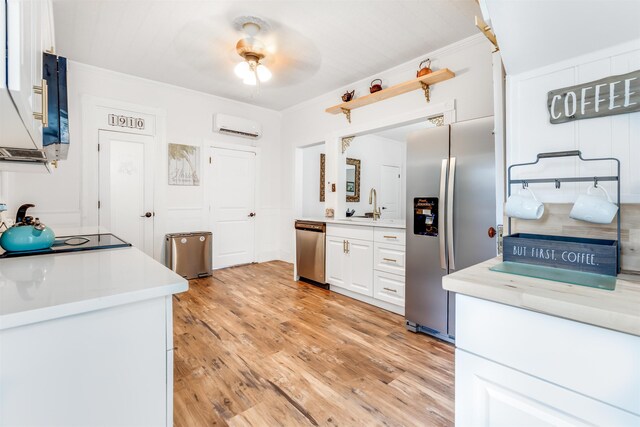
{"points": [[255, 348]]}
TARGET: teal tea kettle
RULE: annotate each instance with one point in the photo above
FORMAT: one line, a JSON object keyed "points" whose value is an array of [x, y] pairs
{"points": [[27, 234]]}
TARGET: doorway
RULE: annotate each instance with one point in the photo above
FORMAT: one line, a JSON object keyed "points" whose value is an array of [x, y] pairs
{"points": [[233, 215], [125, 191], [390, 191]]}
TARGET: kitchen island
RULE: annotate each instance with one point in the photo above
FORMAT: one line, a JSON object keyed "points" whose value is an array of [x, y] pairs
{"points": [[86, 339], [538, 352]]}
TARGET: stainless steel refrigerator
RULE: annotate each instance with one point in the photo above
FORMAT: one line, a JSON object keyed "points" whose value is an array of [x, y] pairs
{"points": [[451, 198]]}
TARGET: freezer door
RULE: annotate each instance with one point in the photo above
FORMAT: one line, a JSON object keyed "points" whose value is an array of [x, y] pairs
{"points": [[426, 301], [472, 186]]}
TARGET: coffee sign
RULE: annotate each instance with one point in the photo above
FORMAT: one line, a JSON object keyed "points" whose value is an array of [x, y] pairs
{"points": [[570, 253], [605, 97]]}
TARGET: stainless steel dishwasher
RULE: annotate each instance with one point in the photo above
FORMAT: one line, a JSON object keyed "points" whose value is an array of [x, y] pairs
{"points": [[310, 251], [189, 254]]}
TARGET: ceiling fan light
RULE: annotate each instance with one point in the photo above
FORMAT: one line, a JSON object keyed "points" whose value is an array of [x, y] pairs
{"points": [[263, 73], [250, 79], [242, 70]]}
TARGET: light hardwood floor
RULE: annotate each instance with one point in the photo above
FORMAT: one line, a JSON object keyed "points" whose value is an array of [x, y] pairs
{"points": [[256, 348]]}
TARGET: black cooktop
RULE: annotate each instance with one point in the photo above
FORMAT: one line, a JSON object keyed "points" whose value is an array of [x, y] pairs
{"points": [[84, 242]]}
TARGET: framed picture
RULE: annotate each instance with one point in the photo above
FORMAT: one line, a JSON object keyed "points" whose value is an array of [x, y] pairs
{"points": [[351, 187], [184, 164]]}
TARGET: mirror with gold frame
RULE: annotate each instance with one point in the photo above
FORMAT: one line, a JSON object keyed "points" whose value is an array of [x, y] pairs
{"points": [[322, 161], [353, 180]]}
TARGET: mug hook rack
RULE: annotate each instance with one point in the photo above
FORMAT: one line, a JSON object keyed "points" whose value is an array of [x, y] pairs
{"points": [[558, 181]]}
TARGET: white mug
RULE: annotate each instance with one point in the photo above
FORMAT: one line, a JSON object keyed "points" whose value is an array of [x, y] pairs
{"points": [[520, 206], [591, 208]]}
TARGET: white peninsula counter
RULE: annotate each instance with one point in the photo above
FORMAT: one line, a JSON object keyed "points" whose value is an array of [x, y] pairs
{"points": [[538, 352], [366, 259], [86, 339]]}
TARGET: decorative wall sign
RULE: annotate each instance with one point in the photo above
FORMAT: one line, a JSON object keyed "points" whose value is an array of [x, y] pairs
{"points": [[126, 121], [605, 97], [570, 253], [184, 164]]}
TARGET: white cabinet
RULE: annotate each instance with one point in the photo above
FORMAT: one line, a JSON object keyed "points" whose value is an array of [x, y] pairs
{"points": [[516, 367], [110, 367], [360, 266], [28, 33], [491, 394], [390, 258], [336, 261], [360, 261], [389, 287], [350, 264]]}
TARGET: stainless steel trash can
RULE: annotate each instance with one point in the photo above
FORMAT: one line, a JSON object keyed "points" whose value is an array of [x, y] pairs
{"points": [[189, 254]]}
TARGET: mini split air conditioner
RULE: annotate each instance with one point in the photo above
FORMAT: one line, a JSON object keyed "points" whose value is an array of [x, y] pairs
{"points": [[236, 126]]}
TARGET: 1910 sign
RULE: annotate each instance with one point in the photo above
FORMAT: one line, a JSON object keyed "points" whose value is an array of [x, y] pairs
{"points": [[126, 121], [605, 97]]}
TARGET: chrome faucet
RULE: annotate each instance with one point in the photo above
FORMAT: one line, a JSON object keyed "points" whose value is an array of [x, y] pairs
{"points": [[373, 199]]}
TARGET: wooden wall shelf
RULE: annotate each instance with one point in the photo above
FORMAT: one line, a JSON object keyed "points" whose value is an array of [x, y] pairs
{"points": [[420, 83]]}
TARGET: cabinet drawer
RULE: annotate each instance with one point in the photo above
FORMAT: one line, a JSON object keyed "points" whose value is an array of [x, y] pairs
{"points": [[389, 235], [390, 258], [388, 287], [350, 231]]}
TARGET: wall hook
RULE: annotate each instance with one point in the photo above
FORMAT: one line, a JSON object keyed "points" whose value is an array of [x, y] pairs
{"points": [[525, 184], [595, 182], [557, 183]]}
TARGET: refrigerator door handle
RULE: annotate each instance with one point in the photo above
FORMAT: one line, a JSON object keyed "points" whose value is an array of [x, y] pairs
{"points": [[441, 233], [452, 180]]}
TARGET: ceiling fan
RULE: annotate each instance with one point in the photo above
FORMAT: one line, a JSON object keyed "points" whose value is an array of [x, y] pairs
{"points": [[208, 48], [252, 50]]}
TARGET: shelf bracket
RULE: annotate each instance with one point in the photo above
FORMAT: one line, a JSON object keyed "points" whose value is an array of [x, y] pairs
{"points": [[346, 141], [347, 113], [427, 91]]}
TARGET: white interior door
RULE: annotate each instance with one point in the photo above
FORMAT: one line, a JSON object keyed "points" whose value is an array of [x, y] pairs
{"points": [[232, 206], [390, 191], [126, 187]]}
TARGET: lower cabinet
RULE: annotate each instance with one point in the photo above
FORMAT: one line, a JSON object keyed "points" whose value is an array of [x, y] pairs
{"points": [[516, 367], [350, 264], [388, 287], [110, 367], [366, 267], [491, 394]]}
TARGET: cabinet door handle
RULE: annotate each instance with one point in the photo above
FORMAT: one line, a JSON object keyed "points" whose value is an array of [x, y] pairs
{"points": [[389, 260], [344, 246], [390, 290], [390, 237], [44, 92]]}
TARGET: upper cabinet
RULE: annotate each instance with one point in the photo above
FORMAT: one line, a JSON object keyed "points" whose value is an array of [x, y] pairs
{"points": [[533, 34], [26, 33]]}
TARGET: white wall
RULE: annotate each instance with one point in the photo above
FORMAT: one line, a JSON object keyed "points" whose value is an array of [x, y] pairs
{"points": [[374, 151], [312, 207], [59, 197], [471, 91], [529, 131]]}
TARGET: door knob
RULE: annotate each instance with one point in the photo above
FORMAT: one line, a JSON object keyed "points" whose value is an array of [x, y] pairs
{"points": [[146, 215], [491, 232], [252, 214]]}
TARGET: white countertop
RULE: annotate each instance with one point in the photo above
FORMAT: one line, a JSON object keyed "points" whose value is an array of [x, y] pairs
{"points": [[618, 310], [364, 222], [44, 287]]}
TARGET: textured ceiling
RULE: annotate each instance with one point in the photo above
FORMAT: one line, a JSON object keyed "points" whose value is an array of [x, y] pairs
{"points": [[317, 46]]}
